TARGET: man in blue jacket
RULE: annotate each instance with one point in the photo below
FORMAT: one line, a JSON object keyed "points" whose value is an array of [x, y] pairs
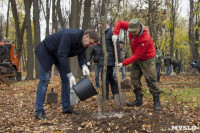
{"points": [[55, 49]]}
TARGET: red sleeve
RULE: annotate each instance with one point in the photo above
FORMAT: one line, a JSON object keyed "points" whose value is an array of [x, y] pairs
{"points": [[139, 52], [119, 25]]}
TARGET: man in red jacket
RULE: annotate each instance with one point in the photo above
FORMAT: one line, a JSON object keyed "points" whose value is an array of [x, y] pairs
{"points": [[142, 59]]}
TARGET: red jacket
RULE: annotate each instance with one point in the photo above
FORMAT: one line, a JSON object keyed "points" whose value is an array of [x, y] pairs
{"points": [[142, 47]]}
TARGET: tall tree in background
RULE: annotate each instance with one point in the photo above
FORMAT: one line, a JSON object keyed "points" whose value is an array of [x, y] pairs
{"points": [[46, 14], [7, 23], [59, 13], [30, 57], [74, 23], [19, 31], [193, 45], [86, 18], [54, 17], [36, 21], [174, 4], [197, 24]]}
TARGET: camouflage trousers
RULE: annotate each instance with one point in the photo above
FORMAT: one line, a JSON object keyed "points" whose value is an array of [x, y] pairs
{"points": [[148, 68]]}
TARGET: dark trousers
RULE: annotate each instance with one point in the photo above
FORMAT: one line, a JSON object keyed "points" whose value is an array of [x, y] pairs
{"points": [[158, 66], [110, 80]]}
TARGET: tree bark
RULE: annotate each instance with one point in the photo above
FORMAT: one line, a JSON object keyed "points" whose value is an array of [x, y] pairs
{"points": [[193, 47], [7, 22], [36, 21], [19, 32], [60, 17], [74, 24], [86, 18], [104, 11], [54, 17], [30, 56], [48, 4]]}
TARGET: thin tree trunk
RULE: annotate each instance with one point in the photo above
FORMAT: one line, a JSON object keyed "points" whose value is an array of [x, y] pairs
{"points": [[54, 17], [36, 17], [7, 23], [105, 11], [86, 18], [193, 47], [74, 24], [59, 13], [172, 28], [30, 56], [48, 4], [19, 32]]}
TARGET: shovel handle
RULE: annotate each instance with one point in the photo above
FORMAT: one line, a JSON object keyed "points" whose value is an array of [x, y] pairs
{"points": [[117, 68], [52, 78]]}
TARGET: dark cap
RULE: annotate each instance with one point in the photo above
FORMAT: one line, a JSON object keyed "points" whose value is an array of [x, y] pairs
{"points": [[134, 24]]}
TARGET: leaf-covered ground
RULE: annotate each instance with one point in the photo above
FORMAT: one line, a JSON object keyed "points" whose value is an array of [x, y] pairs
{"points": [[180, 101]]}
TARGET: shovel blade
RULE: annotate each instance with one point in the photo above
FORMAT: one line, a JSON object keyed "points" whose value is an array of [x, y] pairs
{"points": [[123, 99], [52, 98], [117, 100], [120, 99]]}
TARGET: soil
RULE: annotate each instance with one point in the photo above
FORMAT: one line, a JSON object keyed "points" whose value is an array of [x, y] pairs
{"points": [[17, 111]]}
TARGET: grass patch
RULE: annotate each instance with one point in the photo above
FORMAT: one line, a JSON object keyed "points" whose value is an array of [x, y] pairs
{"points": [[189, 96]]}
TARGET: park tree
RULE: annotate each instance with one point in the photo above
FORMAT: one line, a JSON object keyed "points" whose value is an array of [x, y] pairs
{"points": [[36, 22], [193, 46], [30, 57]]}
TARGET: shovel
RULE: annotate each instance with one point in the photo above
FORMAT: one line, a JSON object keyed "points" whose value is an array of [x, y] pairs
{"points": [[52, 97], [120, 99]]}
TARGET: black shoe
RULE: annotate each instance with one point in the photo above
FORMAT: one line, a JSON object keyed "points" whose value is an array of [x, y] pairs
{"points": [[137, 102], [70, 111], [156, 101], [41, 116]]}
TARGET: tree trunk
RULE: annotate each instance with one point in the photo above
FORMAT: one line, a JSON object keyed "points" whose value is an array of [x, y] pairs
{"points": [[36, 17], [48, 4], [54, 17], [86, 18], [1, 27], [7, 23], [104, 11], [59, 13], [19, 32], [74, 24], [172, 24], [193, 46], [30, 56], [149, 17]]}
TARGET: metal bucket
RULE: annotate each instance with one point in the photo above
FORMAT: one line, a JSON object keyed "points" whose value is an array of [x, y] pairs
{"points": [[84, 89]]}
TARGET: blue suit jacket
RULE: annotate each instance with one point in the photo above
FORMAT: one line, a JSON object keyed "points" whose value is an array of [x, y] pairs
{"points": [[56, 48]]}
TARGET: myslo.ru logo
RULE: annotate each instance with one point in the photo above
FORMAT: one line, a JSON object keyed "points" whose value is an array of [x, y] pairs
{"points": [[183, 127]]}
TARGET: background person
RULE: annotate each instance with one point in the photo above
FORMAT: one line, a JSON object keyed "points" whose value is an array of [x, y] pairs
{"points": [[123, 55], [95, 52], [158, 63], [168, 62]]}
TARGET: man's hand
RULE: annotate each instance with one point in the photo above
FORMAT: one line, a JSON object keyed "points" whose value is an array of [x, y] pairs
{"points": [[88, 63], [114, 39], [119, 65], [85, 70], [72, 81]]}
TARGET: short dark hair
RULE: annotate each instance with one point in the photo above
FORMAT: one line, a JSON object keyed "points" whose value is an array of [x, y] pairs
{"points": [[121, 42], [93, 34]]}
